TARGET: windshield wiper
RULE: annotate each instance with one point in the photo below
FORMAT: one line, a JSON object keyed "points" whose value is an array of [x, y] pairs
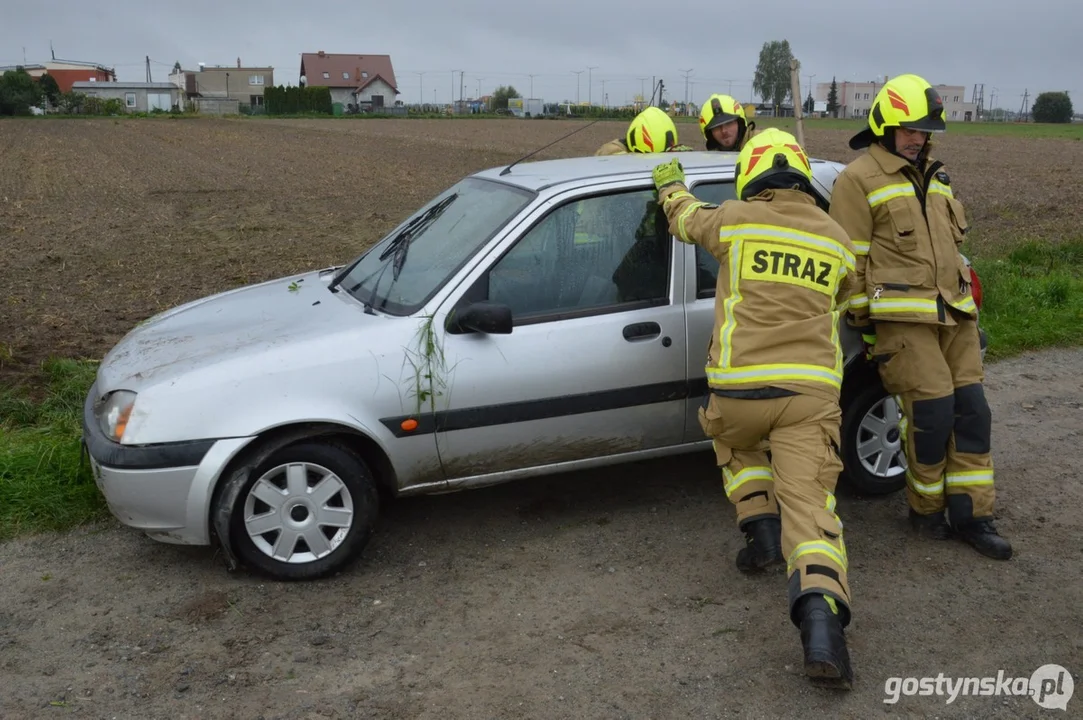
{"points": [[392, 246], [399, 246]]}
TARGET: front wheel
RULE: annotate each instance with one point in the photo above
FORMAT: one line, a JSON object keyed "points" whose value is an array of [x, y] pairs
{"points": [[304, 512], [872, 453]]}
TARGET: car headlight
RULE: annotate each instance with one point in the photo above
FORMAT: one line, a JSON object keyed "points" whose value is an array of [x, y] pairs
{"points": [[114, 412]]}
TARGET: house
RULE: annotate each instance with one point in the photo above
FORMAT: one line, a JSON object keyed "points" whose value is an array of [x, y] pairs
{"points": [[66, 72], [367, 81], [137, 96], [855, 99], [241, 83]]}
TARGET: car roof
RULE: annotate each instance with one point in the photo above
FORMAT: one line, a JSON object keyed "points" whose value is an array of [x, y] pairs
{"points": [[540, 174]]}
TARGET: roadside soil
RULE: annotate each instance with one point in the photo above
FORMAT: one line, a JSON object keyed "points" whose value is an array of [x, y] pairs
{"points": [[604, 595]]}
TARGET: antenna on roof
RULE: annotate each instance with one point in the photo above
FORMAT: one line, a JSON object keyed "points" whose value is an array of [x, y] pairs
{"points": [[507, 170]]}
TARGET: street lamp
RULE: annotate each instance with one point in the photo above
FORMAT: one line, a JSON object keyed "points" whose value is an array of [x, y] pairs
{"points": [[577, 74], [590, 85]]}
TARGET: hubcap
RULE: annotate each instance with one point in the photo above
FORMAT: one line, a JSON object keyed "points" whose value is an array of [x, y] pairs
{"points": [[879, 440], [298, 512]]}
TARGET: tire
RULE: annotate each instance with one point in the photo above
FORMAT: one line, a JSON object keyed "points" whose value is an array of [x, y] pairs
{"points": [[258, 530], [869, 413]]}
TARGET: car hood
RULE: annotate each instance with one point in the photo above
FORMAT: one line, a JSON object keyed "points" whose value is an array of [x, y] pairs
{"points": [[232, 326]]}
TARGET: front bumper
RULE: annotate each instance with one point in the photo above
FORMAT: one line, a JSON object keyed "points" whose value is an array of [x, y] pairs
{"points": [[164, 489]]}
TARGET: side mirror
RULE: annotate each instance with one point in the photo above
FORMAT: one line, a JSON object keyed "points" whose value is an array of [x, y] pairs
{"points": [[483, 317]]}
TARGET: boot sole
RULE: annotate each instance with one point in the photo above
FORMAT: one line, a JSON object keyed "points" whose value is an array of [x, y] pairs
{"points": [[825, 674], [760, 568]]}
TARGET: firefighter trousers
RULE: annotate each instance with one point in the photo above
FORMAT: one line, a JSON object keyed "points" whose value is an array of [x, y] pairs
{"points": [[936, 375], [796, 483]]}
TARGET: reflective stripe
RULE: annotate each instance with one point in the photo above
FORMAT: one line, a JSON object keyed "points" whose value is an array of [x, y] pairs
{"points": [[745, 475], [751, 231], [902, 305], [692, 207], [881, 196], [830, 504], [860, 247], [730, 323], [969, 478], [859, 300], [966, 305], [780, 372], [936, 488], [818, 547], [941, 188]]}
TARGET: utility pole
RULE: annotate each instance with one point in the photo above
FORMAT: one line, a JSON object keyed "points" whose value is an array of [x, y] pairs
{"points": [[590, 85], [462, 77], [148, 69], [421, 88], [577, 74], [605, 104], [451, 97], [479, 87], [1023, 110], [686, 74], [531, 87]]}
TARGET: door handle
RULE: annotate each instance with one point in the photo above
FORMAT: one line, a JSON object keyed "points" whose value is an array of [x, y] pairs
{"points": [[642, 331]]}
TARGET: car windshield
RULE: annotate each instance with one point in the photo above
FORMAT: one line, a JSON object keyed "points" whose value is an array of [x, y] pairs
{"points": [[402, 271]]}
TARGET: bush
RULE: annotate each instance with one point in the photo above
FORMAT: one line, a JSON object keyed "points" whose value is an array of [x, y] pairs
{"points": [[297, 100], [1052, 107]]}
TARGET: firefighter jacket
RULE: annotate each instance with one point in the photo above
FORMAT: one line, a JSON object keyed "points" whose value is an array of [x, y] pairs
{"points": [[784, 276], [613, 147], [906, 227]]}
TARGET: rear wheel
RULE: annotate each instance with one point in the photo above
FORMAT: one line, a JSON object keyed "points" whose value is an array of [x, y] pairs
{"points": [[305, 511], [872, 453]]}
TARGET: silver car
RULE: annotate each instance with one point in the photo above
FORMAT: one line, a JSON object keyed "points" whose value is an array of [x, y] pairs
{"points": [[528, 320]]}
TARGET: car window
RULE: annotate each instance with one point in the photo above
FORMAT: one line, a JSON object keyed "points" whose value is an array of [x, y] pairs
{"points": [[599, 254], [706, 263], [442, 237]]}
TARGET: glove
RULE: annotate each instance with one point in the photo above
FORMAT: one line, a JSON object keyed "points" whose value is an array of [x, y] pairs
{"points": [[680, 148], [869, 341], [667, 174]]}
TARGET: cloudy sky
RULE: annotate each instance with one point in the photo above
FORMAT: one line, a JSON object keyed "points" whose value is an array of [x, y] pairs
{"points": [[1008, 46]]}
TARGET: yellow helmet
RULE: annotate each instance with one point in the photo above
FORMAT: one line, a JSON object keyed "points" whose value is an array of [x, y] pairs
{"points": [[906, 101], [651, 131], [719, 110], [773, 158]]}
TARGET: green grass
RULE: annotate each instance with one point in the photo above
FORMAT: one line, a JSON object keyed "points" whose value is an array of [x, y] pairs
{"points": [[1032, 297], [43, 483]]}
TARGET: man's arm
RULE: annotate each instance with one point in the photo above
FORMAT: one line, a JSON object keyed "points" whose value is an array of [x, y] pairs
{"points": [[850, 209], [690, 220]]}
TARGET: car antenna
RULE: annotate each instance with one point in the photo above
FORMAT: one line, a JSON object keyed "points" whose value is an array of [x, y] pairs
{"points": [[507, 170]]}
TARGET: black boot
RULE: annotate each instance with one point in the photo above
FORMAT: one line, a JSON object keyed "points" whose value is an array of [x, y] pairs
{"points": [[982, 535], [763, 545], [934, 526], [827, 661]]}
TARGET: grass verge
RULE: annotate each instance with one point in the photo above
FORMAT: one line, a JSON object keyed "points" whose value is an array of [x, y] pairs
{"points": [[1032, 297], [43, 483]]}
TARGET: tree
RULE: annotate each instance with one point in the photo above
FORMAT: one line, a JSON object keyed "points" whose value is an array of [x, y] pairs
{"points": [[501, 95], [1052, 107], [49, 88], [810, 104], [833, 98], [18, 92], [772, 80]]}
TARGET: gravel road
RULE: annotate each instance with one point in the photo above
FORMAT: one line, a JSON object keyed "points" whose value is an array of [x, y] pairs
{"points": [[590, 595]]}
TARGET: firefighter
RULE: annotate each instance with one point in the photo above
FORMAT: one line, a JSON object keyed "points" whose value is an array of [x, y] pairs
{"points": [[651, 131], [774, 367], [914, 306], [723, 123]]}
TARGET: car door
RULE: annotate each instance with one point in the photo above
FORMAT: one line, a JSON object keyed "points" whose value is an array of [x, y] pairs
{"points": [[595, 363], [702, 271]]}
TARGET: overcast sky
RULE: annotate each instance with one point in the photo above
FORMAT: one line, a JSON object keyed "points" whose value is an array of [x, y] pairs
{"points": [[1008, 45]]}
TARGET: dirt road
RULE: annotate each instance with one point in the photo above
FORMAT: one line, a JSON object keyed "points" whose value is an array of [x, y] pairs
{"points": [[609, 595]]}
